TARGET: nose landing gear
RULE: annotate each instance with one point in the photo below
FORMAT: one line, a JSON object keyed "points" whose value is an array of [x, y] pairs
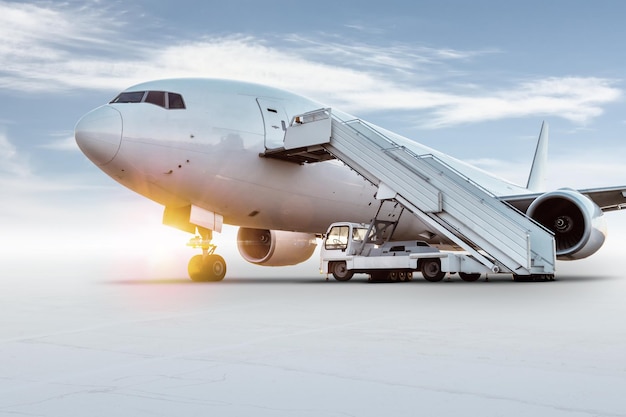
{"points": [[208, 266]]}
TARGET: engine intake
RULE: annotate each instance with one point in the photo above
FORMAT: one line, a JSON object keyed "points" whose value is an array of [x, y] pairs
{"points": [[273, 247], [577, 222]]}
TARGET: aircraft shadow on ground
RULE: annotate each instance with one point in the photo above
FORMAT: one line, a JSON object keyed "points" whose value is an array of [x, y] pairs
{"points": [[500, 280]]}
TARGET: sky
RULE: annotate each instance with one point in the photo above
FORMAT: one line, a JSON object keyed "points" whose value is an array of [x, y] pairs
{"points": [[472, 79]]}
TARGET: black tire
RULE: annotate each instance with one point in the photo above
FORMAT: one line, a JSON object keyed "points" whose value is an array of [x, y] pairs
{"points": [[431, 270], [533, 278], [206, 269], [340, 271], [379, 276], [469, 277]]}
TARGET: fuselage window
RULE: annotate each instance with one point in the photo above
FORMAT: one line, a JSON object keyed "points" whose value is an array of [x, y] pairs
{"points": [[129, 97], [156, 97], [175, 101]]}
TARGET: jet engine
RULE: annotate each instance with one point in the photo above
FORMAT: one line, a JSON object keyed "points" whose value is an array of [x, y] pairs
{"points": [[273, 247], [576, 221]]}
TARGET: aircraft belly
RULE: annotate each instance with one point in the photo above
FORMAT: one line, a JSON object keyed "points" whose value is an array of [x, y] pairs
{"points": [[249, 191]]}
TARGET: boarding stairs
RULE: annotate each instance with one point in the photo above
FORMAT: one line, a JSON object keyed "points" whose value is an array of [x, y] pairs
{"points": [[494, 233]]}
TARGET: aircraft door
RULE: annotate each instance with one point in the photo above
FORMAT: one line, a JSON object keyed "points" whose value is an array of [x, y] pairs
{"points": [[275, 120]]}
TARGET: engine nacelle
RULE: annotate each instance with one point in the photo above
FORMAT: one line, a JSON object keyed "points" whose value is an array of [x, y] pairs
{"points": [[273, 247], [577, 222]]}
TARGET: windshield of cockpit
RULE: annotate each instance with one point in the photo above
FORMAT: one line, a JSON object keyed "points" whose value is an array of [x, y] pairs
{"points": [[165, 99]]}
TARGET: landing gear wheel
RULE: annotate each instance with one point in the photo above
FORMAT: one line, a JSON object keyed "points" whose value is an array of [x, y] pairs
{"points": [[195, 268], [215, 267], [207, 268], [469, 277], [431, 270], [341, 272]]}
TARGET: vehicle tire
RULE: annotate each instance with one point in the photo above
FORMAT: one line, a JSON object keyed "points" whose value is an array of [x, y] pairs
{"points": [[340, 271], [431, 270], [533, 278], [469, 277], [379, 276]]}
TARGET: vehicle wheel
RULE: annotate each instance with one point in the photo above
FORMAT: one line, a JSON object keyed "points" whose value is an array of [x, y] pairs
{"points": [[469, 277], [393, 276], [341, 272], [431, 270], [402, 276]]}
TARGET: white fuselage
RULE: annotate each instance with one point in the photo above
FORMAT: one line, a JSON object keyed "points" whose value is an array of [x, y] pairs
{"points": [[208, 155]]}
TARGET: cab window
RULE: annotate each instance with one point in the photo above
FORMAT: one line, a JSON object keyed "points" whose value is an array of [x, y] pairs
{"points": [[337, 238], [359, 234]]}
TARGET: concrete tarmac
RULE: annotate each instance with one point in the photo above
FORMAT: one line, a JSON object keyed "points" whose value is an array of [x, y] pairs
{"points": [[79, 340]]}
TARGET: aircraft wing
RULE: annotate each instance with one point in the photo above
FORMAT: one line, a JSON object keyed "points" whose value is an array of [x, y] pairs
{"points": [[608, 198]]}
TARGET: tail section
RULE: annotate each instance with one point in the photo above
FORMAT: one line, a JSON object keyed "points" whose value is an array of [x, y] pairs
{"points": [[539, 169]]}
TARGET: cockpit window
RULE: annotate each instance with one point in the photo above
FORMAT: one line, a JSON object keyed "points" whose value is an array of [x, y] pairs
{"points": [[175, 101], [129, 97], [163, 99], [156, 97]]}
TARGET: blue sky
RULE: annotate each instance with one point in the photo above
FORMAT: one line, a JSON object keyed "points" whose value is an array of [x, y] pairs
{"points": [[473, 79]]}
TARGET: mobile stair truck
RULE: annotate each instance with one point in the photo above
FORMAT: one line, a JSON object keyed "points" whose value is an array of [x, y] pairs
{"points": [[494, 237], [350, 248]]}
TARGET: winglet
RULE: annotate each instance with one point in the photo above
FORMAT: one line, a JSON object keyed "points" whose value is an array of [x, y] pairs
{"points": [[538, 171]]}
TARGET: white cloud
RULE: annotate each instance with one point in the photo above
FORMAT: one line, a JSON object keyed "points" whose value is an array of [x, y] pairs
{"points": [[66, 144], [27, 23], [575, 168], [27, 193], [577, 99], [11, 162], [402, 58], [59, 47]]}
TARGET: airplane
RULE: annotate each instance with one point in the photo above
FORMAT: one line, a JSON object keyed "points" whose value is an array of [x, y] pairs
{"points": [[199, 148]]}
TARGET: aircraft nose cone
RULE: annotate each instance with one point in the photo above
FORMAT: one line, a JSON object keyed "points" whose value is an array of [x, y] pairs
{"points": [[99, 134]]}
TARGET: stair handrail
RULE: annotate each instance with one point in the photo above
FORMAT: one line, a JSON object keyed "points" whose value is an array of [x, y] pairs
{"points": [[396, 146]]}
